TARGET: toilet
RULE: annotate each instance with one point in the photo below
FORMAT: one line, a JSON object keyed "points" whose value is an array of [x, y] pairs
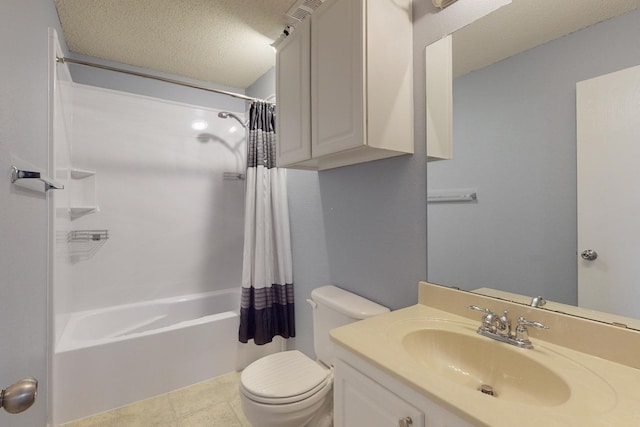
{"points": [[288, 389]]}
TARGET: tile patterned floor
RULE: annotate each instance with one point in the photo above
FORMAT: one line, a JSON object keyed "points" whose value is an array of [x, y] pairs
{"points": [[208, 404]]}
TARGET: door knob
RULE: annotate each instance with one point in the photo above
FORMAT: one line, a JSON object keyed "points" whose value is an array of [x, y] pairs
{"points": [[589, 254], [20, 396]]}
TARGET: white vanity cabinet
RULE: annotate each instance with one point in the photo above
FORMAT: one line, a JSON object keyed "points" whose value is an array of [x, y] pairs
{"points": [[367, 396], [360, 401], [352, 101]]}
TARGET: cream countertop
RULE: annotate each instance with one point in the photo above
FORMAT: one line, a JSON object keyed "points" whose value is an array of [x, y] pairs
{"points": [[603, 392]]}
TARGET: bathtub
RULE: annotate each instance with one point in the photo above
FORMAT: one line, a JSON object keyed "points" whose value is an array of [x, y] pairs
{"points": [[112, 357]]}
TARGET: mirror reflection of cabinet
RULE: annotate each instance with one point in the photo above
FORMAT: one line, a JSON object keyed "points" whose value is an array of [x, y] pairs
{"points": [[359, 95], [439, 91]]}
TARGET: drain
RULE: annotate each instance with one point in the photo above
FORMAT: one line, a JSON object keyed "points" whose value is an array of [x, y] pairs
{"points": [[486, 389]]}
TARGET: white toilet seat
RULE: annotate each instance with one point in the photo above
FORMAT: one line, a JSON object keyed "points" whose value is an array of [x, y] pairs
{"points": [[283, 378]]}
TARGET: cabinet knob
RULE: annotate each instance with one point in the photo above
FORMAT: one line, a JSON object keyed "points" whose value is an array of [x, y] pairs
{"points": [[405, 422]]}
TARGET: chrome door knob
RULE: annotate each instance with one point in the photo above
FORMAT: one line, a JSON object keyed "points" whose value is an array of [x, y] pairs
{"points": [[20, 396], [589, 254]]}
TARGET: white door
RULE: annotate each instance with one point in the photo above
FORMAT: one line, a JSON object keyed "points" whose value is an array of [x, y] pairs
{"points": [[608, 153]]}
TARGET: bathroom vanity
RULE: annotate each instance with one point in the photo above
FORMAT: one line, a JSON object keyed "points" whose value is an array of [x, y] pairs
{"points": [[425, 365]]}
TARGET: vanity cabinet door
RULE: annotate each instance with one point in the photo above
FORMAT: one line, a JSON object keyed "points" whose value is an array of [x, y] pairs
{"points": [[360, 401]]}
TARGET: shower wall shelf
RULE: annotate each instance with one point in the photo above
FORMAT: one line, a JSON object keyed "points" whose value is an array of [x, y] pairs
{"points": [[81, 173], [87, 235], [78, 211], [82, 195]]}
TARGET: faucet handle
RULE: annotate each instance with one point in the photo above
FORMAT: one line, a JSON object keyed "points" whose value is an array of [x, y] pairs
{"points": [[524, 322], [476, 308], [488, 320], [522, 334]]}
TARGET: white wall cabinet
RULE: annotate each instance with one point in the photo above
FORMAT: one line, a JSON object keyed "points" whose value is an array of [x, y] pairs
{"points": [[293, 91], [439, 90], [352, 101], [367, 396]]}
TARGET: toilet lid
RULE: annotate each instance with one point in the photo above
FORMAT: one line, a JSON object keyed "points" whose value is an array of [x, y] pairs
{"points": [[283, 377]]}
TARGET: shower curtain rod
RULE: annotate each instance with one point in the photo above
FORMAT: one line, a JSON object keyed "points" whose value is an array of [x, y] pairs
{"points": [[162, 79]]}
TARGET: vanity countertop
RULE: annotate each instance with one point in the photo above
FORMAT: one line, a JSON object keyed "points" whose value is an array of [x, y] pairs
{"points": [[601, 392]]}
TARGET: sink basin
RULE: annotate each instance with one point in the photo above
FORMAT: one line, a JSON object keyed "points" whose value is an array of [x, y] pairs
{"points": [[474, 361]]}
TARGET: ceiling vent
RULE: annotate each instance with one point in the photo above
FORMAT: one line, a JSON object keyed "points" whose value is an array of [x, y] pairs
{"points": [[303, 8], [443, 3]]}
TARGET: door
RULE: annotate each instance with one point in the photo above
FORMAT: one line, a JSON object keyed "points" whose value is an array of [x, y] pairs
{"points": [[608, 153], [360, 401]]}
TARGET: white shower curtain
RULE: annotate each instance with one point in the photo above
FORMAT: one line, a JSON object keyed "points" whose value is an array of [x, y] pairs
{"points": [[266, 308]]}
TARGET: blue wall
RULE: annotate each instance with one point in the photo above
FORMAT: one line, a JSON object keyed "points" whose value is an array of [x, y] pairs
{"points": [[515, 141]]}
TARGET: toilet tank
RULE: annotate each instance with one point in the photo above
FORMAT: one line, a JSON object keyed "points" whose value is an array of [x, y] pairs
{"points": [[333, 307]]}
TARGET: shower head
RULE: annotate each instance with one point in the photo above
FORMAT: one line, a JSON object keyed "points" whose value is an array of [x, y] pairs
{"points": [[226, 115]]}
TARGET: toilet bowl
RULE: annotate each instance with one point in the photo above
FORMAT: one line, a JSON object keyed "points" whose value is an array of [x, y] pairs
{"points": [[289, 389], [284, 389]]}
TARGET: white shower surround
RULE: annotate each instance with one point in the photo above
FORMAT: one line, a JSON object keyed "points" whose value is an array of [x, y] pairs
{"points": [[155, 307], [175, 224]]}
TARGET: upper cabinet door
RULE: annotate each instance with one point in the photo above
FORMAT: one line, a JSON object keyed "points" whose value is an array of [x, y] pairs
{"points": [[293, 76], [337, 77], [439, 90], [389, 75]]}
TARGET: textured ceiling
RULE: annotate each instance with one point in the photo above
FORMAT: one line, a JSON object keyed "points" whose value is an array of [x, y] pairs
{"points": [[220, 41], [228, 41], [525, 24]]}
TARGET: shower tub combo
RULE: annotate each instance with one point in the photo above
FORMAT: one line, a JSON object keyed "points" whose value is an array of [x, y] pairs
{"points": [[111, 357]]}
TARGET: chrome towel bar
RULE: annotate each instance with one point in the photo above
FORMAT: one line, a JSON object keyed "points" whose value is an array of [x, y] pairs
{"points": [[452, 197], [17, 174]]}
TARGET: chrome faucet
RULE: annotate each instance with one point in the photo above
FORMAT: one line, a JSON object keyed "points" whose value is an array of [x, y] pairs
{"points": [[499, 328], [538, 302]]}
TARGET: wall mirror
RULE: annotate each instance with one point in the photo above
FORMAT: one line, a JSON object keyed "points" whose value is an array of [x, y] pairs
{"points": [[514, 145]]}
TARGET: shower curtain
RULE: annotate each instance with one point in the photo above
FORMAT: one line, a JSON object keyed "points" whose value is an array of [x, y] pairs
{"points": [[266, 308]]}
